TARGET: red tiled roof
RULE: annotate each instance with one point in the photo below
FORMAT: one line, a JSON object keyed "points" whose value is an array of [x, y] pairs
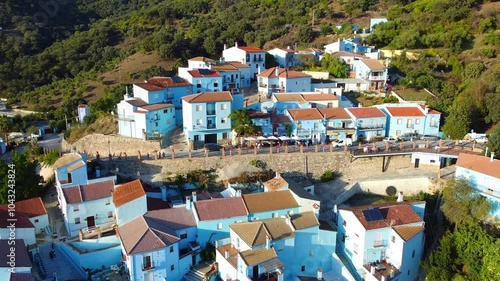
{"points": [[480, 164], [270, 201], [206, 73], [283, 73], [205, 195], [393, 213], [404, 111], [287, 50], [31, 207], [22, 257], [305, 114], [373, 64], [202, 59], [280, 119], [159, 83], [366, 112], [251, 49], [22, 221], [211, 209], [209, 97], [88, 192], [137, 102], [157, 106], [319, 97], [334, 113], [82, 105], [128, 192], [237, 64]]}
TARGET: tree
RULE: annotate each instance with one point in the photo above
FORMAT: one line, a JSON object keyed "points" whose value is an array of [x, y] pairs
{"points": [[5, 127], [308, 60], [270, 61], [458, 122], [441, 264], [242, 123], [461, 204], [306, 34], [335, 66], [494, 142], [492, 101]]}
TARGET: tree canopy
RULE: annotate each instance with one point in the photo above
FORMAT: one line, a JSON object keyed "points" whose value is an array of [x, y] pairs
{"points": [[242, 123], [494, 142]]}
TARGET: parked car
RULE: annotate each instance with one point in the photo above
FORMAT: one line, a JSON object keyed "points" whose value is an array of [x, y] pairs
{"points": [[409, 137], [429, 137], [390, 140], [482, 139], [212, 147], [342, 142]]}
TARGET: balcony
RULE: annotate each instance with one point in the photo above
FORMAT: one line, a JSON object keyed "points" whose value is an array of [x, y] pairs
{"points": [[211, 126], [382, 269], [147, 266], [346, 128], [210, 111], [373, 127], [377, 77], [122, 117], [379, 243], [262, 85]]}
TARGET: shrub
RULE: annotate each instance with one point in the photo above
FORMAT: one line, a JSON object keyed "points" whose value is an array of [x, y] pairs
{"points": [[258, 163], [329, 175]]}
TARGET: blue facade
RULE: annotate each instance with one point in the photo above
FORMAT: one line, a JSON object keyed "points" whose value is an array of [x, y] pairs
{"points": [[272, 214], [160, 121], [265, 124], [370, 127], [210, 231]]}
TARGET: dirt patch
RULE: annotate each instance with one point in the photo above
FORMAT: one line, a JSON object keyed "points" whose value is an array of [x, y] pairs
{"points": [[234, 170], [489, 9]]}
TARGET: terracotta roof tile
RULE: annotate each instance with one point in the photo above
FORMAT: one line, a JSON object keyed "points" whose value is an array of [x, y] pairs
{"points": [[22, 257], [283, 73], [31, 207], [157, 106], [233, 253], [211, 209], [404, 111], [202, 59], [257, 256], [305, 114], [270, 201], [66, 159], [408, 232], [393, 213], [304, 220], [251, 49], [319, 97], [226, 68], [289, 97], [480, 164], [137, 102], [334, 113], [373, 64], [280, 119], [237, 64], [128, 192], [159, 83], [88, 192], [366, 112], [275, 184], [209, 97], [254, 233], [204, 73], [205, 195], [347, 54]]}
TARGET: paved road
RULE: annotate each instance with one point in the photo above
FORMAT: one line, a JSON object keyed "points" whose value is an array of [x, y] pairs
{"points": [[51, 141]]}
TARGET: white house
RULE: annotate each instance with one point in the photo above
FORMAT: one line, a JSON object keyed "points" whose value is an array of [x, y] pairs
{"points": [[352, 45], [384, 239], [246, 74], [130, 201], [83, 110], [200, 62], [284, 57], [160, 245], [371, 70], [206, 116], [254, 57], [20, 266], [282, 80], [34, 210], [316, 53]]}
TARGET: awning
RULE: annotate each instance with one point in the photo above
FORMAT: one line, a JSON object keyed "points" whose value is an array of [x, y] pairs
{"points": [[272, 264]]}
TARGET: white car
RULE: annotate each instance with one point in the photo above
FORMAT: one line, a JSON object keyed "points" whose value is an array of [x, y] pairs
{"points": [[482, 140], [342, 142], [390, 140]]}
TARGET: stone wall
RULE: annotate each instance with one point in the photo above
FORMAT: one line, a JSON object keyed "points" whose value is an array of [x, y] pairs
{"points": [[116, 144]]}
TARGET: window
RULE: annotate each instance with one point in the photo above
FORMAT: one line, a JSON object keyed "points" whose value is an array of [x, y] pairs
{"points": [[398, 133], [183, 235], [223, 106], [156, 96], [77, 220], [343, 238], [198, 85], [433, 122], [303, 268], [408, 272], [77, 208], [165, 111], [409, 123], [236, 76], [275, 215], [219, 226], [393, 239], [196, 137], [169, 121], [417, 121], [172, 267], [199, 108], [146, 262], [216, 84], [199, 121], [171, 249], [400, 121], [110, 214], [433, 161], [223, 120], [290, 212], [36, 221], [355, 248], [344, 223], [156, 124], [413, 254], [224, 135]]}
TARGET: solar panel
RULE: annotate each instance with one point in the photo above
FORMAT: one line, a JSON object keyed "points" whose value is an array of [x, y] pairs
{"points": [[177, 79], [373, 214], [367, 215], [204, 71]]}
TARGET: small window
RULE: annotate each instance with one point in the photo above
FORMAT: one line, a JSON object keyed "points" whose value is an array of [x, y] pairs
{"points": [[199, 122], [77, 208], [77, 220], [393, 239], [344, 224], [199, 108], [183, 235], [223, 106], [224, 135], [303, 268], [36, 221], [355, 248], [165, 111], [171, 249], [172, 267], [198, 85], [399, 121], [408, 272], [108, 201], [110, 214], [216, 84], [413, 254], [433, 161], [417, 121], [290, 212], [275, 215], [196, 137], [223, 120], [156, 124], [219, 226]]}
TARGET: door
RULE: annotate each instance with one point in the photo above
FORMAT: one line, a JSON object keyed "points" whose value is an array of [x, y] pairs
{"points": [[211, 138], [417, 162], [193, 259], [90, 221], [148, 276], [255, 273]]}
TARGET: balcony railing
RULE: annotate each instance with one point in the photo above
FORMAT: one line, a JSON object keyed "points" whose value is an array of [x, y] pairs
{"points": [[378, 243], [148, 266], [125, 117], [376, 77], [340, 128], [262, 85], [211, 126], [373, 127], [210, 111]]}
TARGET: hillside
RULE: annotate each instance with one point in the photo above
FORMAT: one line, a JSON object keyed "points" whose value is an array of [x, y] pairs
{"points": [[87, 50]]}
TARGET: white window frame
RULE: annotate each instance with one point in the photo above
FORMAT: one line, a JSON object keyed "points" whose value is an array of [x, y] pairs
{"points": [[199, 122], [199, 107]]}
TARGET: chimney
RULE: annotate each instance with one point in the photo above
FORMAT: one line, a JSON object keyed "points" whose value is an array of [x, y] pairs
{"points": [[277, 71], [237, 193], [278, 175], [426, 110], [236, 44], [288, 47], [400, 197], [188, 202], [492, 156], [226, 255], [211, 66], [319, 274], [221, 60], [372, 269], [268, 242], [163, 193], [225, 47], [360, 105], [194, 196]]}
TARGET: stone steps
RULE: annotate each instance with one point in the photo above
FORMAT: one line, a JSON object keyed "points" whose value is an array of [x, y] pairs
{"points": [[64, 268], [194, 275]]}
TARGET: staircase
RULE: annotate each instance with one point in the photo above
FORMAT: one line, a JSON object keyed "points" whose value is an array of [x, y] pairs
{"points": [[347, 263], [63, 268], [194, 275]]}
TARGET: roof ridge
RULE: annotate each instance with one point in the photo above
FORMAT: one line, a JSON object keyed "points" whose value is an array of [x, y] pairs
{"points": [[80, 192], [142, 236]]}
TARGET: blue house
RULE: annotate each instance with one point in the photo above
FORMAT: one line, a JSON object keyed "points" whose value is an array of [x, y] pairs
{"points": [[160, 245], [308, 124], [282, 102], [262, 120], [339, 124], [213, 221], [385, 239], [270, 204], [204, 80], [352, 45], [369, 122], [483, 174]]}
